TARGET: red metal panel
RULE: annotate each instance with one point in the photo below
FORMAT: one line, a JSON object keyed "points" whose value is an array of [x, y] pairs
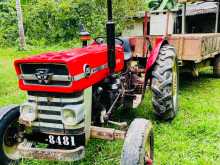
{"points": [[152, 57], [94, 55]]}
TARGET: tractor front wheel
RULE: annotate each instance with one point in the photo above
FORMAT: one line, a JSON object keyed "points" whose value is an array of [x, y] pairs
{"points": [[139, 144], [8, 138], [165, 84]]}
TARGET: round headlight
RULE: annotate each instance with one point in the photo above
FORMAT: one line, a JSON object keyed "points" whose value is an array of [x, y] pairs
{"points": [[27, 109], [72, 114], [69, 117], [28, 112]]}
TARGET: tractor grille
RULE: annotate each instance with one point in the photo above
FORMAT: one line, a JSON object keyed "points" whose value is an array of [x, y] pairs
{"points": [[45, 74], [49, 107]]}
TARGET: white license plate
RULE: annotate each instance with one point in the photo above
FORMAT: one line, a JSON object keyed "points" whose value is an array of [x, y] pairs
{"points": [[61, 140]]}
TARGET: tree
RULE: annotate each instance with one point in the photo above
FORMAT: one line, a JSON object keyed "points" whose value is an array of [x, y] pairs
{"points": [[20, 25]]}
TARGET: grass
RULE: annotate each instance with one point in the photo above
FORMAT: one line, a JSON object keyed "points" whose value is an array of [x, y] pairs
{"points": [[192, 138]]}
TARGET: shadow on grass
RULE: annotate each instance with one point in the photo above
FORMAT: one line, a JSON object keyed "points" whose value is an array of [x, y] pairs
{"points": [[187, 81], [145, 110]]}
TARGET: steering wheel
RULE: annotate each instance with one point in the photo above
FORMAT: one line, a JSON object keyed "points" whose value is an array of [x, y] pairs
{"points": [[101, 40], [121, 42]]}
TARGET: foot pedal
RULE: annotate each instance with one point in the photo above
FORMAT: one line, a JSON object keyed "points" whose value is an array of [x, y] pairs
{"points": [[121, 125]]}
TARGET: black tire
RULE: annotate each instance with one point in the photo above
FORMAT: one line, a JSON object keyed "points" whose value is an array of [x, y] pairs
{"points": [[7, 128], [216, 66], [165, 80], [138, 147]]}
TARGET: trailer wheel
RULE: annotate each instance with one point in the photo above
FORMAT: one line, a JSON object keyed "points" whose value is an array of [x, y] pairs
{"points": [[165, 84], [216, 67], [139, 142], [8, 138]]}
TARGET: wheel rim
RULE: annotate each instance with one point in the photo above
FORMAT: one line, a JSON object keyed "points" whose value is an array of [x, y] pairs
{"points": [[9, 142], [149, 150], [175, 85]]}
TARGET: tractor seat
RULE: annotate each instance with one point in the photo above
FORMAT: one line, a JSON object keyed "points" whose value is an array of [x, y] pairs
{"points": [[127, 48]]}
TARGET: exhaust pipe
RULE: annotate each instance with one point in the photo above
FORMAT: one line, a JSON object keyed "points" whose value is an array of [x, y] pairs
{"points": [[110, 26]]}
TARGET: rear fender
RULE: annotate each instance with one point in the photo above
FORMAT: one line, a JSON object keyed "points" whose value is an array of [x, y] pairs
{"points": [[5, 110], [152, 57]]}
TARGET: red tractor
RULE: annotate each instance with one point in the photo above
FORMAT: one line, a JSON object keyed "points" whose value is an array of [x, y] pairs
{"points": [[72, 93]]}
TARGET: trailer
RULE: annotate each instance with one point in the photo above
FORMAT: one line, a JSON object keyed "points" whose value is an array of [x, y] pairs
{"points": [[195, 51], [197, 42]]}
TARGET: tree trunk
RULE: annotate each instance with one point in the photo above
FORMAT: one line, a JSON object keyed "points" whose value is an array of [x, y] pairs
{"points": [[20, 25]]}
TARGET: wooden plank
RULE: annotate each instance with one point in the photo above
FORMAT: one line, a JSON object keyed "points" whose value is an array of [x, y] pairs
{"points": [[137, 45], [187, 49], [192, 49], [195, 47]]}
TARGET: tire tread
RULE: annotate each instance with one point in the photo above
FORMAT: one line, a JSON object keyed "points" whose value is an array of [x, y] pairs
{"points": [[162, 83]]}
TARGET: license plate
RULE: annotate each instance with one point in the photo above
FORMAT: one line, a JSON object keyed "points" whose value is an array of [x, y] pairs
{"points": [[61, 140]]}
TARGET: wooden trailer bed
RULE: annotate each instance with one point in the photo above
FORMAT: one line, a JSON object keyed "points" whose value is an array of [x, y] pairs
{"points": [[195, 47], [189, 47]]}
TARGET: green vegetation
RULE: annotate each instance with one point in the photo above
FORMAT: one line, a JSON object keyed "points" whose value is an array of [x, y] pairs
{"points": [[192, 138], [161, 4], [49, 22]]}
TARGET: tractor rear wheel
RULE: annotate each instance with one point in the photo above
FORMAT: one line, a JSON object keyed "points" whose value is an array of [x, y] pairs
{"points": [[216, 67], [165, 84], [138, 147], [8, 138]]}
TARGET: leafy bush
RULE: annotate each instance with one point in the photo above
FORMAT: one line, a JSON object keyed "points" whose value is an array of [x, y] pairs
{"points": [[8, 26], [56, 21]]}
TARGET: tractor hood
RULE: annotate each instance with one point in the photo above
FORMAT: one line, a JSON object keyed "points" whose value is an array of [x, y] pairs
{"points": [[67, 71]]}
